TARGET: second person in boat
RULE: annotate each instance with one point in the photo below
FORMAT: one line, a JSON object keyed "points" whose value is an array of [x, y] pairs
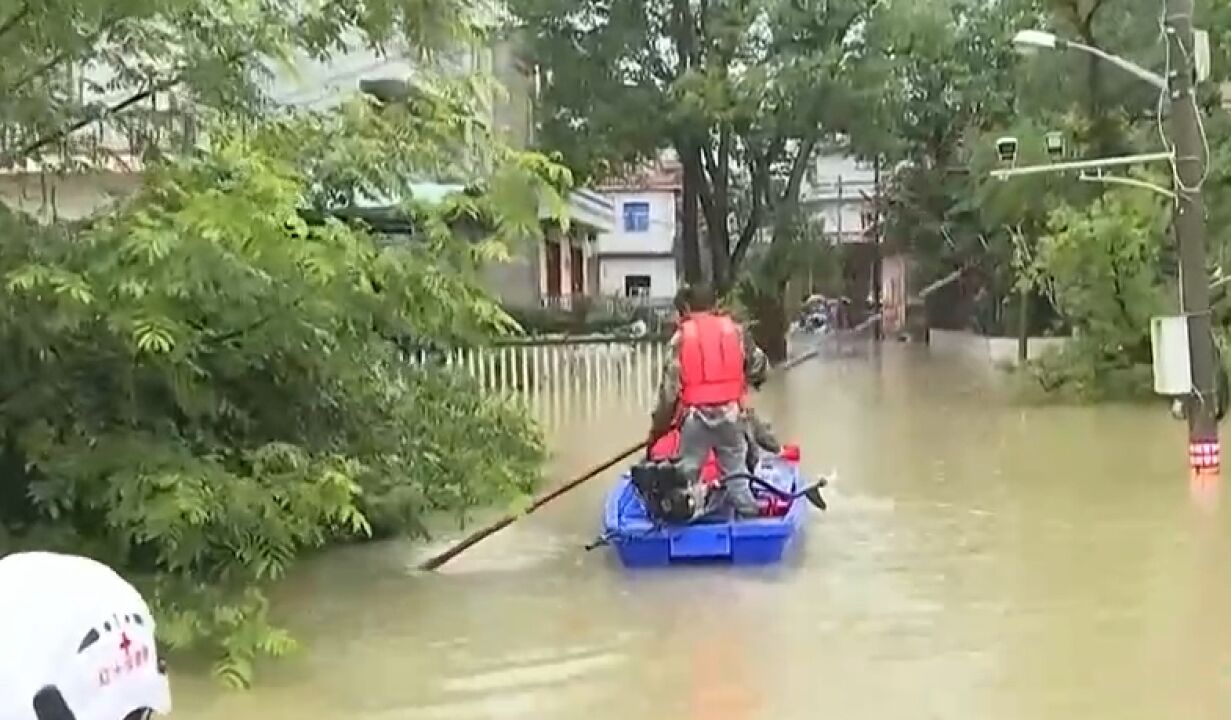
{"points": [[710, 363]]}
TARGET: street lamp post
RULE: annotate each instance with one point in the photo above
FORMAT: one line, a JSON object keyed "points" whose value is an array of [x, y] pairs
{"points": [[1188, 161]]}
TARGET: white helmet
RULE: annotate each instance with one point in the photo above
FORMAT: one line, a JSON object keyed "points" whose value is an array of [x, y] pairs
{"points": [[77, 642]]}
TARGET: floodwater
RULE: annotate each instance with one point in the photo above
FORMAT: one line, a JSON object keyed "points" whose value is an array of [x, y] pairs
{"points": [[980, 560]]}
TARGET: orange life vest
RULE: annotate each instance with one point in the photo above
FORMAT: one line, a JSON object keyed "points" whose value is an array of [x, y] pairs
{"points": [[711, 360]]}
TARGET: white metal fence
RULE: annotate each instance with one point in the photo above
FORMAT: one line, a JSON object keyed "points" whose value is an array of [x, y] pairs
{"points": [[561, 382]]}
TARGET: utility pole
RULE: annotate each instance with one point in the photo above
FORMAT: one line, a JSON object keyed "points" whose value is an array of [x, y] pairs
{"points": [[1189, 223], [877, 259]]}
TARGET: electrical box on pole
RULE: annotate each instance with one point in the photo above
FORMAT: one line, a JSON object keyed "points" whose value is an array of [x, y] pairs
{"points": [[1172, 371], [1201, 54]]}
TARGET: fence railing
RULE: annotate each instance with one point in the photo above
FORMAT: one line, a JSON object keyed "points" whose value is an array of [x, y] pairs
{"points": [[582, 379], [564, 381]]}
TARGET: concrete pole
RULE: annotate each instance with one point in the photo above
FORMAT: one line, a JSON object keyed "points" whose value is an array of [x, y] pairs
{"points": [[1190, 236], [878, 259]]}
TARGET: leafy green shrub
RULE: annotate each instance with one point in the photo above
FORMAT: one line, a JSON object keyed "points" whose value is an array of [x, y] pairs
{"points": [[1101, 266], [201, 387], [1080, 373], [582, 320]]}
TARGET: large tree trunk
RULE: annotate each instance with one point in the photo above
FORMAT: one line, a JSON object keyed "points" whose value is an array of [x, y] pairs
{"points": [[716, 219], [689, 236], [769, 323], [683, 31]]}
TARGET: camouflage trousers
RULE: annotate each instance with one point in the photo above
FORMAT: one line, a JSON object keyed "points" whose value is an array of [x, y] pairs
{"points": [[725, 431]]}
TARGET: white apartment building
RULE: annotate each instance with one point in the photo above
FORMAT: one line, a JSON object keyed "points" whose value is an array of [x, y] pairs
{"points": [[638, 258]]}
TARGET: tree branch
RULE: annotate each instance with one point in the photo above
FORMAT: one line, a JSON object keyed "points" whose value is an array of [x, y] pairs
{"points": [[855, 17], [760, 179], [705, 188], [58, 135], [15, 20], [798, 167], [1094, 8], [62, 57], [240, 332], [719, 221]]}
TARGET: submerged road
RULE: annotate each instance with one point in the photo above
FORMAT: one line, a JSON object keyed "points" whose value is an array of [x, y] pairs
{"points": [[980, 560]]}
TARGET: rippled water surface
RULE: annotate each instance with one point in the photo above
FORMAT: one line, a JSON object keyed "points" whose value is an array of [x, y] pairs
{"points": [[980, 560]]}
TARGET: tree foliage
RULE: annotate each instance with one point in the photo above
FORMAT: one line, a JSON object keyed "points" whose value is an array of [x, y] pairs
{"points": [[1102, 267], [212, 379], [67, 63], [742, 91]]}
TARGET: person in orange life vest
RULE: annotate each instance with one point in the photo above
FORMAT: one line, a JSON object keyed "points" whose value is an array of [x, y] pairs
{"points": [[710, 364], [667, 447], [761, 439]]}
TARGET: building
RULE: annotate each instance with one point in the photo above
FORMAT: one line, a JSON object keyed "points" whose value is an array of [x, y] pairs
{"points": [[841, 191], [562, 266], [638, 258]]}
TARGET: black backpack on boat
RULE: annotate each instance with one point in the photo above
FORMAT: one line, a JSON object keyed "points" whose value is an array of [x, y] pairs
{"points": [[664, 491]]}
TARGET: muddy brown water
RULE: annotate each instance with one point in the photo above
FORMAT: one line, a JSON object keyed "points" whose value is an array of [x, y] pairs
{"points": [[980, 559]]}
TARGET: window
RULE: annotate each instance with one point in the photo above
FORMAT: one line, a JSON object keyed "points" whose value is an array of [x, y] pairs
{"points": [[637, 285], [636, 216]]}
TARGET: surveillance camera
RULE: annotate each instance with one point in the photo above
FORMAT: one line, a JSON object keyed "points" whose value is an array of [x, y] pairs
{"points": [[1006, 148], [1055, 145]]}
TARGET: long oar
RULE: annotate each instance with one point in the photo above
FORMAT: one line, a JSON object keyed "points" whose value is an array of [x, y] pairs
{"points": [[540, 501]]}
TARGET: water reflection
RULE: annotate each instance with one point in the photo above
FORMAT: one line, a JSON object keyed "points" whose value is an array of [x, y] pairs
{"points": [[980, 560]]}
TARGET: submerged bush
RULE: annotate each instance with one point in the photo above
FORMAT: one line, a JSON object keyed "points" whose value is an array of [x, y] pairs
{"points": [[202, 386], [1080, 373]]}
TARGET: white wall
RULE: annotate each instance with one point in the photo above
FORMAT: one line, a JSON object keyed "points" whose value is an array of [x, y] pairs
{"points": [[661, 270], [990, 350], [842, 216], [659, 236], [834, 189], [50, 197]]}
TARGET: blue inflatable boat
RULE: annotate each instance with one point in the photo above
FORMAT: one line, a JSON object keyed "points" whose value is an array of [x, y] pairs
{"points": [[642, 541]]}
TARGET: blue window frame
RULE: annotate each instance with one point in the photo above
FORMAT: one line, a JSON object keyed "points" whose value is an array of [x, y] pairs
{"points": [[636, 216]]}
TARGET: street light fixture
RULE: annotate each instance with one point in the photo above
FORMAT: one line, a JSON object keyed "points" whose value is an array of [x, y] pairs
{"points": [[1030, 40]]}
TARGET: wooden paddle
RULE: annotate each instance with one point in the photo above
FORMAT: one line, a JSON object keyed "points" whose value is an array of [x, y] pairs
{"points": [[540, 501]]}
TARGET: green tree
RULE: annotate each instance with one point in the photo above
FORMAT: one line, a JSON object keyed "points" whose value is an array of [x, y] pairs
{"points": [[814, 85], [210, 380], [949, 76], [1101, 265], [202, 385], [743, 91], [67, 64]]}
